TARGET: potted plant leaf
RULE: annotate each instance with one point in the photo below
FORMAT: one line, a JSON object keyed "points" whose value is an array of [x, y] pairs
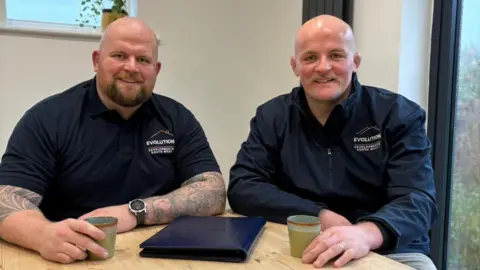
{"points": [[93, 10]]}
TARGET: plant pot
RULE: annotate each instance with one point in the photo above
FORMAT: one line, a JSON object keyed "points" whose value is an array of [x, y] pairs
{"points": [[108, 16]]}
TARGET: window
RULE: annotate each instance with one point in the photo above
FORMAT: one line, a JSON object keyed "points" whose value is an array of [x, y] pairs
{"points": [[464, 237], [454, 127], [64, 12]]}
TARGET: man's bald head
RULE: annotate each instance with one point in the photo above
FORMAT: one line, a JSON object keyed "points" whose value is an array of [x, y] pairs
{"points": [[325, 58], [129, 26], [325, 26], [126, 64]]}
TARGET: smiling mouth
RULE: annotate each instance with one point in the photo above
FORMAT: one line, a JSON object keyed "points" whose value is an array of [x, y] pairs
{"points": [[324, 81], [127, 81]]}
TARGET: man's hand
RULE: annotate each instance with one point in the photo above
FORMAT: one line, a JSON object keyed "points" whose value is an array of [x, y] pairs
{"points": [[67, 241], [351, 241], [126, 220], [330, 219]]}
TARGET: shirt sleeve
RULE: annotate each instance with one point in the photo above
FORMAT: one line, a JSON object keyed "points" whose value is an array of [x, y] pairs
{"points": [[252, 190], [192, 151], [411, 210], [29, 159]]}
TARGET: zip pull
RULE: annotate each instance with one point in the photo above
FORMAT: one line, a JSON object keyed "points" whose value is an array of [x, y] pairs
{"points": [[330, 163]]}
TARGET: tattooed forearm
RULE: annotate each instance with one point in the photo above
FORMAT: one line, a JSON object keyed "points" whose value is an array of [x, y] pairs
{"points": [[14, 199], [201, 195]]}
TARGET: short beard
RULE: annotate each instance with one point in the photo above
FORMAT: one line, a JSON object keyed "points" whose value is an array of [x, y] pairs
{"points": [[116, 96]]}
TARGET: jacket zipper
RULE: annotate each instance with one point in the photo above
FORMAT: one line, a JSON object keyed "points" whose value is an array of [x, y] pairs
{"points": [[330, 163]]}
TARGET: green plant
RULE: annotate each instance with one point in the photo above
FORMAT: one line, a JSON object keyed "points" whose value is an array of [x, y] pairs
{"points": [[91, 11], [119, 6], [468, 73], [464, 231]]}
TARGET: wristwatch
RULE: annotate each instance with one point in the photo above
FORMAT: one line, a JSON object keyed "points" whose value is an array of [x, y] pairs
{"points": [[139, 208]]}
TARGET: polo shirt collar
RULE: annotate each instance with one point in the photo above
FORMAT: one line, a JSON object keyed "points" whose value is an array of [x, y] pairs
{"points": [[94, 105]]}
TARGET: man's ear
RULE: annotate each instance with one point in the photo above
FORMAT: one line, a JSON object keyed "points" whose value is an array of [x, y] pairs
{"points": [[293, 64], [357, 59], [95, 60], [158, 66]]}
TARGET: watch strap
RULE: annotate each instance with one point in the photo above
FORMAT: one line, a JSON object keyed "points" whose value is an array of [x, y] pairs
{"points": [[140, 217]]}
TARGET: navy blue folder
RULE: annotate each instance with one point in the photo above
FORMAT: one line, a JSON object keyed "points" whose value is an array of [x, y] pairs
{"points": [[210, 238]]}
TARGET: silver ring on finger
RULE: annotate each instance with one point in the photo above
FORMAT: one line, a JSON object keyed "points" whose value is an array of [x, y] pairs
{"points": [[342, 245]]}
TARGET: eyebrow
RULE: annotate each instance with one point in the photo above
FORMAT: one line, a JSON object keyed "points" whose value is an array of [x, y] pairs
{"points": [[339, 50], [336, 50], [307, 53], [142, 54]]}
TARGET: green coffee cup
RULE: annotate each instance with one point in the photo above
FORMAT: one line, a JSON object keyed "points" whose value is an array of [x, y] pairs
{"points": [[109, 226], [302, 229]]}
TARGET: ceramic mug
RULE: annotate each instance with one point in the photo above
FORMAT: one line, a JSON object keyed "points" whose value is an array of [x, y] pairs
{"points": [[109, 226], [302, 229]]}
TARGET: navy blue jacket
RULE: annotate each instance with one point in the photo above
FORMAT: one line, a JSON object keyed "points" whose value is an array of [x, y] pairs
{"points": [[370, 161]]}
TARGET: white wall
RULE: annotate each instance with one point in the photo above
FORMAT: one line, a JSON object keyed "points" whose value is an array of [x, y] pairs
{"points": [[377, 29], [32, 68], [393, 38], [414, 68], [221, 58]]}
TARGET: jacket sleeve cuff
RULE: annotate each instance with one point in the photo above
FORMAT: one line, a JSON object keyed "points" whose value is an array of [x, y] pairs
{"points": [[389, 234], [315, 210]]}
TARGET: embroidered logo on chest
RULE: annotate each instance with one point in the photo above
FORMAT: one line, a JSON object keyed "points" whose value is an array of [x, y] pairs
{"points": [[367, 139], [162, 142]]}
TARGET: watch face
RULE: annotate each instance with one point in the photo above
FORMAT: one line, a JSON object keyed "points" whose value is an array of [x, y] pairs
{"points": [[137, 205]]}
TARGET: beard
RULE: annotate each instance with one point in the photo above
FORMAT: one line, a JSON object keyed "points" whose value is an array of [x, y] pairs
{"points": [[117, 97]]}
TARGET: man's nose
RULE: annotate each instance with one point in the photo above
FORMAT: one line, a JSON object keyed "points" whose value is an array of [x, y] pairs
{"points": [[131, 64], [323, 64]]}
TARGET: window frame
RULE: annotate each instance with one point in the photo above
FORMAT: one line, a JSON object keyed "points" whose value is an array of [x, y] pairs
{"points": [[54, 29], [340, 8], [441, 115]]}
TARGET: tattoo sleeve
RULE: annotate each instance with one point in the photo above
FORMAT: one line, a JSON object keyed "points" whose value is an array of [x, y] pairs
{"points": [[13, 199], [201, 195]]}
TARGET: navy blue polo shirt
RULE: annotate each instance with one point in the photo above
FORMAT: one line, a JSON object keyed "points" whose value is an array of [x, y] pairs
{"points": [[80, 156]]}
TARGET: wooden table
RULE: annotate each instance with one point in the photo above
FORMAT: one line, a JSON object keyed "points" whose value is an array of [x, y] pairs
{"points": [[271, 252]]}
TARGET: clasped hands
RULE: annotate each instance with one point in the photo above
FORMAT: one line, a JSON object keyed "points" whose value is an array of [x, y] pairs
{"points": [[339, 239]]}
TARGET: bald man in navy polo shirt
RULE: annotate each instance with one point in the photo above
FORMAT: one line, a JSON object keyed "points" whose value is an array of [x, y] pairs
{"points": [[107, 146]]}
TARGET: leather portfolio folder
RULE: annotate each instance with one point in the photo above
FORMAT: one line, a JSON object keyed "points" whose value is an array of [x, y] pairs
{"points": [[211, 238]]}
